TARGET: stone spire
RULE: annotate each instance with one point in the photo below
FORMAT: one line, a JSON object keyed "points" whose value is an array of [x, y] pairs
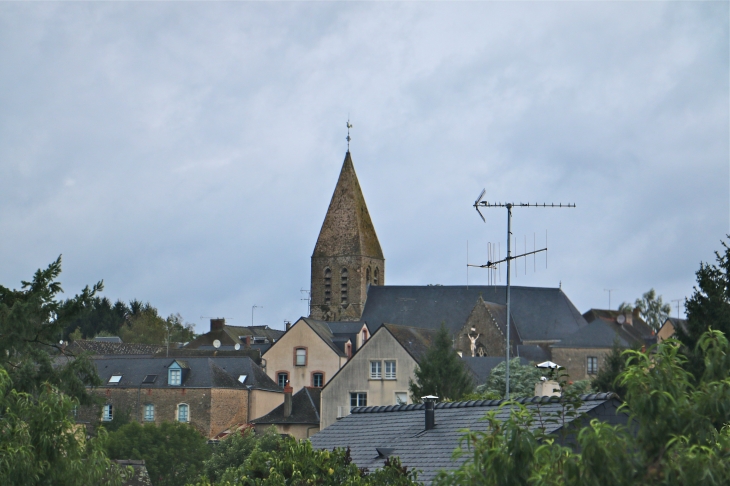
{"points": [[347, 256]]}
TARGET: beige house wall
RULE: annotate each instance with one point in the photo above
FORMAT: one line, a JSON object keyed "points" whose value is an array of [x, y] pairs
{"points": [[263, 402], [355, 377], [575, 360], [320, 357], [666, 331]]}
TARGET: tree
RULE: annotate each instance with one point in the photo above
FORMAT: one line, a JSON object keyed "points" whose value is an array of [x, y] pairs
{"points": [[441, 372], [233, 451], [294, 462], [96, 317], [173, 452], [41, 444], [145, 326], [678, 434], [651, 307], [613, 365], [522, 379], [708, 308], [32, 322]]}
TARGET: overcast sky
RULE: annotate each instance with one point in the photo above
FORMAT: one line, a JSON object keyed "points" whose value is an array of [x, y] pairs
{"points": [[185, 153]]}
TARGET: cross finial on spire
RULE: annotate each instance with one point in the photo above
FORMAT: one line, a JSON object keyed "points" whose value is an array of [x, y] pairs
{"points": [[349, 125]]}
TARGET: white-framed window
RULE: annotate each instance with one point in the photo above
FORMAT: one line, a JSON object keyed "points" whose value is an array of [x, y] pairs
{"points": [[115, 379], [301, 357], [358, 399], [175, 377], [390, 370], [592, 365], [401, 398], [149, 412], [318, 380], [376, 370], [182, 413], [107, 413]]}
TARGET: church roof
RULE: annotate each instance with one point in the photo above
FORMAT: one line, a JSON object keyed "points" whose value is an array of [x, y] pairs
{"points": [[347, 229]]}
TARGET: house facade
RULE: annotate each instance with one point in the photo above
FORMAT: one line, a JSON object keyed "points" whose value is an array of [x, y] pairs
{"points": [[310, 352], [210, 393], [378, 374]]}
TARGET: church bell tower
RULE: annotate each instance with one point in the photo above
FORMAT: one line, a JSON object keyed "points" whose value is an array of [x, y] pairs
{"points": [[347, 256]]}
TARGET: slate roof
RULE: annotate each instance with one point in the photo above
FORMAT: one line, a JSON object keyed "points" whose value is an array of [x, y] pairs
{"points": [[207, 372], [541, 314], [415, 340], [99, 348], [481, 367], [347, 228], [401, 428], [533, 353], [305, 409], [602, 334]]}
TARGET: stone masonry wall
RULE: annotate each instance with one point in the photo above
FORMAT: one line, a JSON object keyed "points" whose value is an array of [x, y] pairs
{"points": [[575, 360], [357, 286]]}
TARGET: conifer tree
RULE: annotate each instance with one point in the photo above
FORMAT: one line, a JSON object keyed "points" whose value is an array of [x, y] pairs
{"points": [[441, 372]]}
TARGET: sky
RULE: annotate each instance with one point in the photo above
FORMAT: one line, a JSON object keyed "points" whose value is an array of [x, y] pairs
{"points": [[186, 152]]}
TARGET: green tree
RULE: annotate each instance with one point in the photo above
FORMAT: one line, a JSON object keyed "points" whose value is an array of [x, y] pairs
{"points": [[234, 449], [651, 307], [95, 317], [145, 326], [679, 432], [522, 379], [41, 444], [441, 372], [708, 307], [294, 462], [174, 453], [614, 364], [32, 322]]}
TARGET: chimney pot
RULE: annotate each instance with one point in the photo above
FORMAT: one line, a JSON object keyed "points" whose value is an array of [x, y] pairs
{"points": [[287, 400], [429, 402]]}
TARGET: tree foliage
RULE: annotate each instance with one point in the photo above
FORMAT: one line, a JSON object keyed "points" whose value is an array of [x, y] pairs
{"points": [[233, 451], [147, 327], [709, 307], [294, 462], [441, 372], [613, 365], [679, 432], [173, 452], [522, 379], [651, 307]]}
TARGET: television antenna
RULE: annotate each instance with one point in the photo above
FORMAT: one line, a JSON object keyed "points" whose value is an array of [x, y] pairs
{"points": [[609, 296], [485, 204], [677, 301], [308, 299]]}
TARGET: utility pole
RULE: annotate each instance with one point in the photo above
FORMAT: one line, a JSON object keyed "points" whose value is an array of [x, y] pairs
{"points": [[479, 203]]}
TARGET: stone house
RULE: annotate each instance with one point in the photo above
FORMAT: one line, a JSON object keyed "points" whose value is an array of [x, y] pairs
{"points": [[583, 353], [310, 352], [209, 393], [378, 374]]}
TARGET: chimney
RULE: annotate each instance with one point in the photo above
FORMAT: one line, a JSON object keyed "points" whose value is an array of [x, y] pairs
{"points": [[287, 400], [247, 341], [288, 325], [429, 402], [217, 324], [630, 318]]}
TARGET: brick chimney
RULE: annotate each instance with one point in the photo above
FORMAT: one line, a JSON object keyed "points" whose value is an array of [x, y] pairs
{"points": [[288, 325], [217, 324], [287, 400]]}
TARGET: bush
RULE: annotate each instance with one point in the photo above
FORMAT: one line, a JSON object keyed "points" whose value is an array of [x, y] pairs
{"points": [[233, 451]]}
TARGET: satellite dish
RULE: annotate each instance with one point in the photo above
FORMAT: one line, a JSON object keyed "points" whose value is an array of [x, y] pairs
{"points": [[621, 319], [237, 347], [216, 344]]}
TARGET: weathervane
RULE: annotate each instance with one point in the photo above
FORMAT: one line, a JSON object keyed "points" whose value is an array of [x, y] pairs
{"points": [[349, 125]]}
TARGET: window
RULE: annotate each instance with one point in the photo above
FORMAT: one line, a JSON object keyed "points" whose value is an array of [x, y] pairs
{"points": [[367, 276], [182, 412], [376, 370], [376, 277], [300, 357], [242, 378], [107, 413], [175, 376], [592, 365], [149, 413], [327, 286], [115, 379], [358, 399], [390, 370], [75, 412], [149, 379], [401, 398], [318, 380], [282, 378], [364, 336], [343, 286]]}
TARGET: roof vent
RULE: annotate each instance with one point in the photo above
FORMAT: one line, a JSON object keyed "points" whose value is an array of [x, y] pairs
{"points": [[384, 452]]}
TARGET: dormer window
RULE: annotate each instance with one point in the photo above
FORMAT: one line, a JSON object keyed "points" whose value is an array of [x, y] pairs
{"points": [[175, 377], [115, 379], [175, 373]]}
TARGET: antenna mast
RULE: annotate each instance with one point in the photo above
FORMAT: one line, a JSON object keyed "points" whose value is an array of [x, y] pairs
{"points": [[484, 204], [609, 296]]}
